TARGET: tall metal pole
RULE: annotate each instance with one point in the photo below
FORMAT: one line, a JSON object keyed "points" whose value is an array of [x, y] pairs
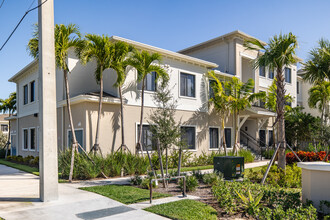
{"points": [[47, 103]]}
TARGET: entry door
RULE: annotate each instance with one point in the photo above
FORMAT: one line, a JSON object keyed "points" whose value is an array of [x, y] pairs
{"points": [[262, 138]]}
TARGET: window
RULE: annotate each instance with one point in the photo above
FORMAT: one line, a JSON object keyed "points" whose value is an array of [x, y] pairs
{"points": [[214, 138], [187, 85], [147, 140], [298, 87], [228, 137], [287, 75], [25, 139], [271, 74], [4, 128], [261, 103], [32, 139], [79, 137], [32, 91], [150, 82], [26, 94], [262, 71], [211, 91], [188, 135], [270, 138], [288, 104]]}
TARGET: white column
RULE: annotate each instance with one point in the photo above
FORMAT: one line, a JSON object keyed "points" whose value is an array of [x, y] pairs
{"points": [[47, 104]]}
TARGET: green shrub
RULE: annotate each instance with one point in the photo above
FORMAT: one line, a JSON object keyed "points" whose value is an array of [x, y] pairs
{"points": [[35, 161], [277, 177], [136, 180], [212, 178], [2, 152], [197, 174], [302, 212], [18, 158], [225, 193], [9, 158], [191, 183], [27, 159], [145, 184]]}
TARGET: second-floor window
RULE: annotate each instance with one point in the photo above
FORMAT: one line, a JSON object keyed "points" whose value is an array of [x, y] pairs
{"points": [[149, 83], [271, 74], [4, 128], [298, 88], [26, 94], [287, 75], [262, 71], [187, 85], [32, 91]]}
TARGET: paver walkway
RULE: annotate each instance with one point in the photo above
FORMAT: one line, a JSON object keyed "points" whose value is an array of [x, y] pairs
{"points": [[19, 193]]}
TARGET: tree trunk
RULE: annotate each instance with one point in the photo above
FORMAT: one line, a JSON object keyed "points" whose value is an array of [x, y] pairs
{"points": [[224, 136], [236, 132], [123, 145], [8, 140], [161, 163], [166, 165], [141, 119], [74, 139], [96, 146], [180, 160], [280, 101]]}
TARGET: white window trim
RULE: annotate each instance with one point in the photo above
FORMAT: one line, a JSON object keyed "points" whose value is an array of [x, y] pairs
{"points": [[67, 136], [179, 80], [195, 126], [27, 149], [29, 142], [219, 138]]}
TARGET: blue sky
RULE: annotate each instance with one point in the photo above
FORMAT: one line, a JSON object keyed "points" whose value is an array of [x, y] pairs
{"points": [[169, 24]]}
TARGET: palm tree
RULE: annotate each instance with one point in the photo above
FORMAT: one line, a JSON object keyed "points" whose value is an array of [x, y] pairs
{"points": [[145, 63], [8, 105], [100, 49], [319, 97], [220, 102], [119, 63], [279, 53], [240, 97], [317, 69], [66, 38]]}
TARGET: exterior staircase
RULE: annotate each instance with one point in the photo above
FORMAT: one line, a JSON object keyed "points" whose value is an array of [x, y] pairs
{"points": [[256, 146]]}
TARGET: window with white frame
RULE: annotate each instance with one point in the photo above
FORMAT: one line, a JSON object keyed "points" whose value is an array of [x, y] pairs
{"points": [[147, 141], [26, 95], [187, 85], [228, 137], [32, 139], [262, 71], [32, 91], [150, 83], [271, 74], [298, 87], [25, 139], [79, 136], [287, 75], [4, 128], [214, 138], [188, 136]]}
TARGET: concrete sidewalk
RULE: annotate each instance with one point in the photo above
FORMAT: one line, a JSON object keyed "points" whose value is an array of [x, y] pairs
{"points": [[19, 199]]}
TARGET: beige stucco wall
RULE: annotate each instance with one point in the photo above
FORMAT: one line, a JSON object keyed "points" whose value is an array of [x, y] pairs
{"points": [[315, 186]]}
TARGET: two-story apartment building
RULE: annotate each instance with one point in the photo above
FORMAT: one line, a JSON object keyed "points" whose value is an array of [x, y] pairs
{"points": [[188, 84]]}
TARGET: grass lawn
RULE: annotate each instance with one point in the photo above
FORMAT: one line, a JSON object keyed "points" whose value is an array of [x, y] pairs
{"points": [[185, 210], [22, 167], [124, 194]]}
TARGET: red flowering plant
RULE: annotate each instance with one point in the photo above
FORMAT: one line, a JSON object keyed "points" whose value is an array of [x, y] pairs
{"points": [[306, 156]]}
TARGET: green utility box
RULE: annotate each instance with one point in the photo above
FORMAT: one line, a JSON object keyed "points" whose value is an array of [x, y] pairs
{"points": [[231, 167]]}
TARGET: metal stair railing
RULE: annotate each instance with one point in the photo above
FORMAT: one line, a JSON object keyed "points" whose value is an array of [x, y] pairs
{"points": [[254, 141]]}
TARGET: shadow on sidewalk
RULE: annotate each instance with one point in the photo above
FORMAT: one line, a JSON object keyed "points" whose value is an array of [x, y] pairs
{"points": [[19, 199]]}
